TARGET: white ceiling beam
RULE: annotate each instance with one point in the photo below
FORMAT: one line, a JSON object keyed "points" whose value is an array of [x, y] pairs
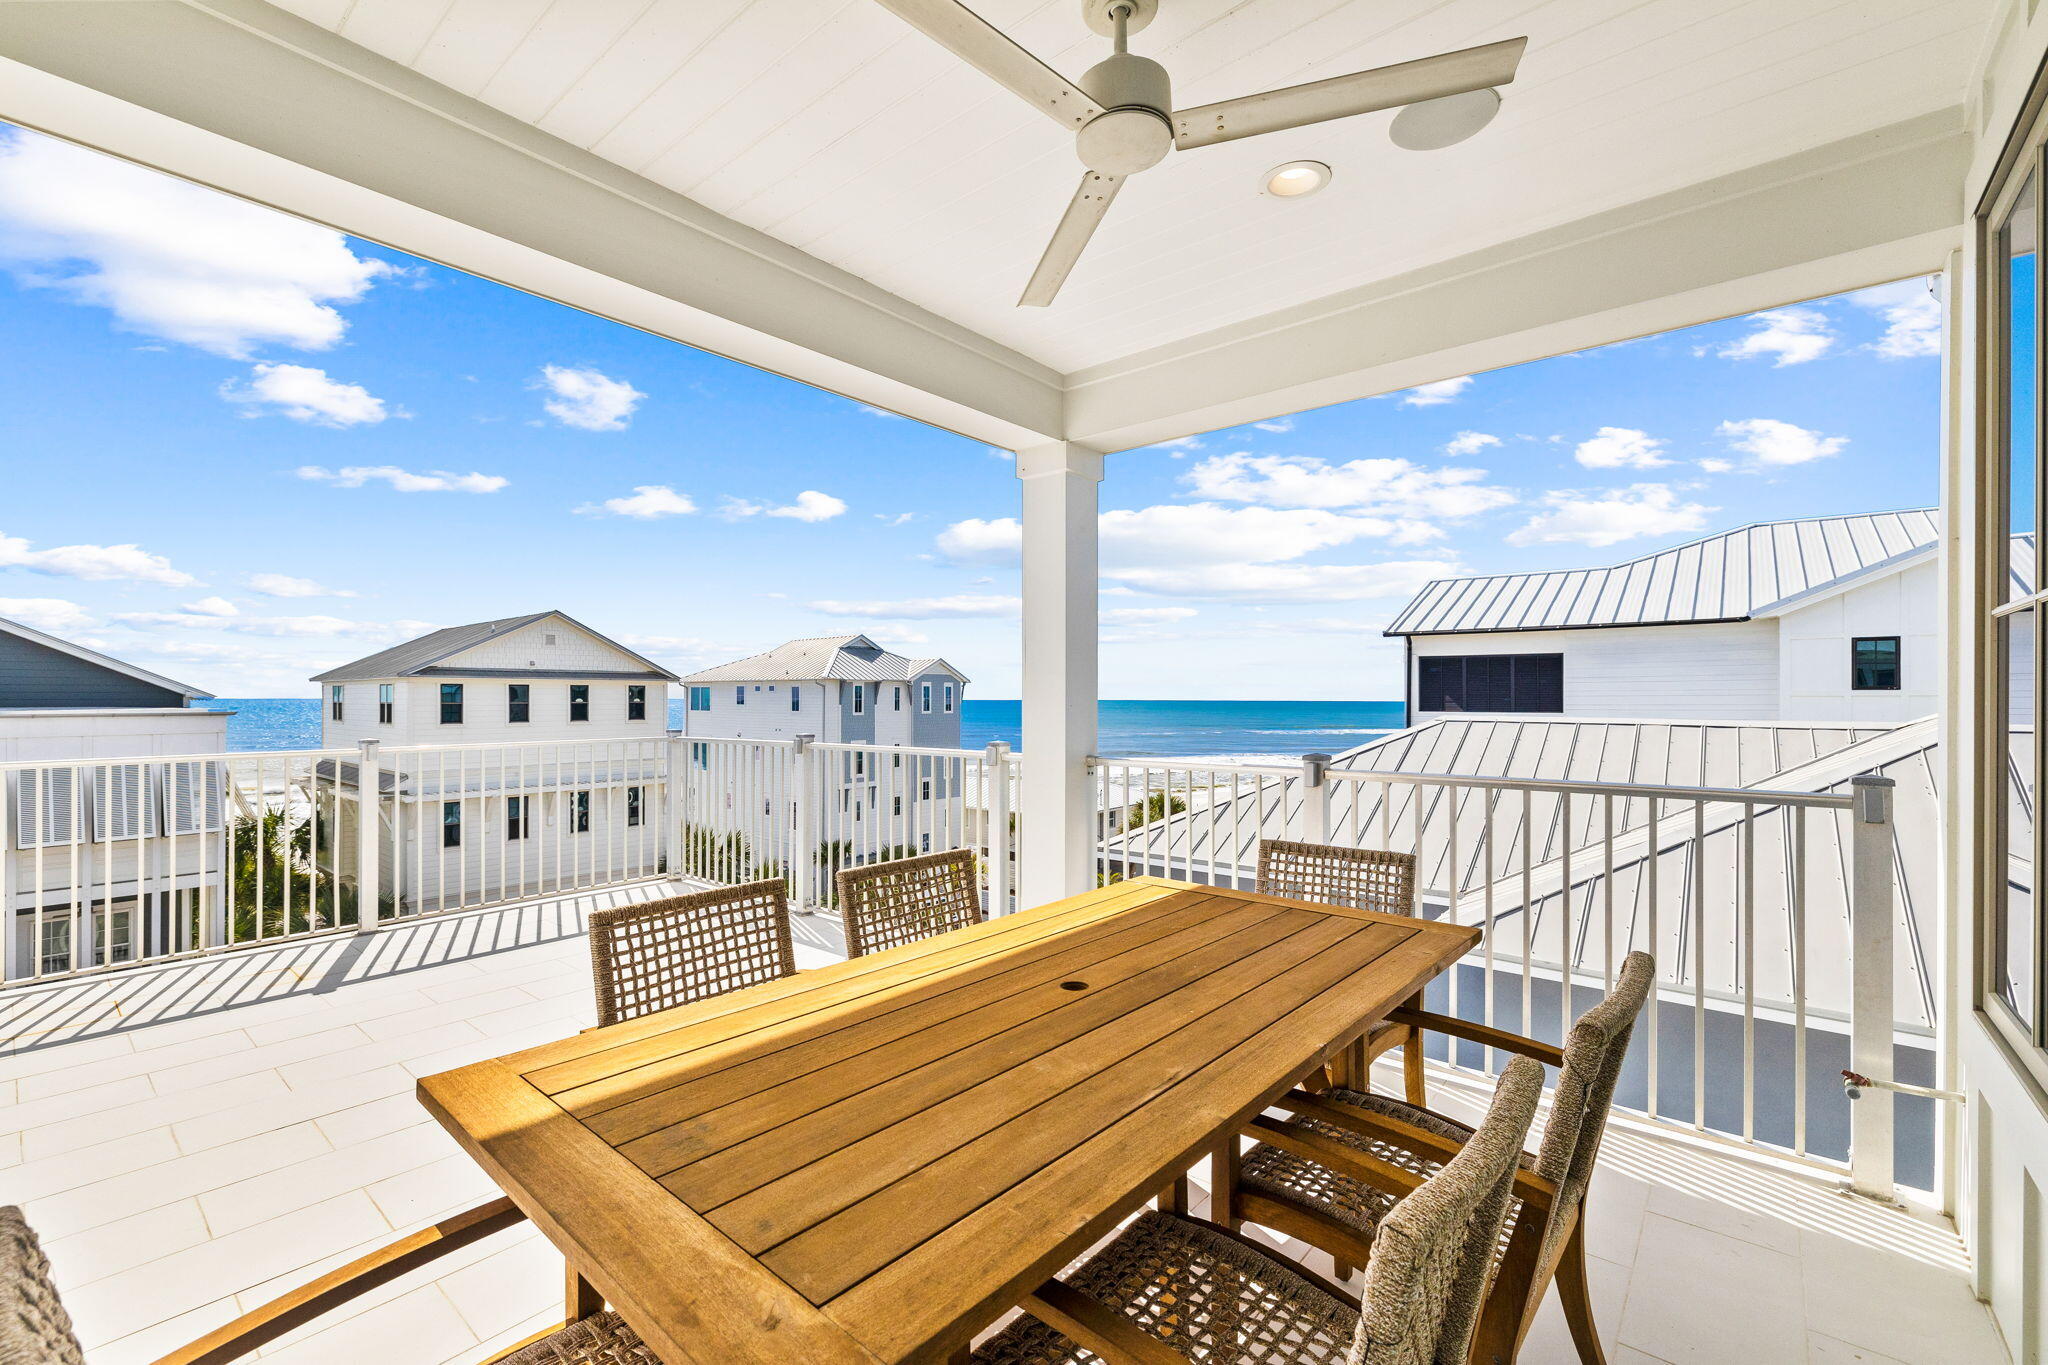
{"points": [[249, 99], [1877, 207]]}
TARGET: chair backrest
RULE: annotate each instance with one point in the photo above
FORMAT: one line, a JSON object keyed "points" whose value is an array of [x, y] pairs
{"points": [[1361, 878], [1432, 1254], [34, 1328], [885, 905], [669, 952], [1593, 1054]]}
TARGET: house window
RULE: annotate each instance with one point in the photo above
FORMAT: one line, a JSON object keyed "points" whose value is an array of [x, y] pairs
{"points": [[925, 698], [636, 701], [519, 703], [1490, 682], [384, 704], [739, 696], [949, 697], [700, 699], [633, 806], [334, 701], [451, 824], [517, 812], [579, 701], [579, 812], [860, 698], [451, 703], [2010, 930], [56, 947], [796, 698], [895, 805], [1874, 663], [860, 763], [896, 702], [700, 754]]}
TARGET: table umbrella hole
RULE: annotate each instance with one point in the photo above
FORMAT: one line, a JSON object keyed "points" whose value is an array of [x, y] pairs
{"points": [[1073, 985]]}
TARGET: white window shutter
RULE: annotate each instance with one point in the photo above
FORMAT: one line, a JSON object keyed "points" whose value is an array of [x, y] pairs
{"points": [[46, 807], [194, 803], [123, 802]]}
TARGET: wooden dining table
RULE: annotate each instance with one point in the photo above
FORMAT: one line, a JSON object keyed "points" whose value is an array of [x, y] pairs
{"points": [[874, 1160]]}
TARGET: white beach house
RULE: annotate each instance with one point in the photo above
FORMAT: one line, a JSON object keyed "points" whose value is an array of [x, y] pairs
{"points": [[1825, 619], [835, 688], [512, 756], [144, 867]]}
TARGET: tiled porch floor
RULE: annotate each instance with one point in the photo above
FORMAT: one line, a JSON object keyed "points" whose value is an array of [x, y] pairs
{"points": [[194, 1139]]}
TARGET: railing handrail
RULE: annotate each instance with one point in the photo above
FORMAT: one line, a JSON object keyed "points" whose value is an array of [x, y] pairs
{"points": [[216, 756], [1750, 796]]}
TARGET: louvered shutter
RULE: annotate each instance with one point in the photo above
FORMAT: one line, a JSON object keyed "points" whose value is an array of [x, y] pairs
{"points": [[45, 807], [123, 802], [195, 795]]}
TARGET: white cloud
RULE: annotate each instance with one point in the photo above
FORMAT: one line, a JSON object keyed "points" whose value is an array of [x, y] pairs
{"points": [[810, 505], [1469, 443], [1278, 424], [53, 614], [897, 635], [1280, 583], [899, 519], [1178, 443], [305, 394], [1431, 395], [649, 502], [1175, 534], [213, 606], [1610, 517], [1713, 466], [404, 480], [1912, 314], [171, 259], [1789, 336], [295, 627], [284, 585], [587, 398], [1146, 616], [1385, 487], [103, 563], [871, 410], [926, 608], [1620, 448], [1779, 443]]}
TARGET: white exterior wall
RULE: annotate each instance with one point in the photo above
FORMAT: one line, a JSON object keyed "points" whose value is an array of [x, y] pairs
{"points": [[1814, 643], [416, 713], [28, 736], [766, 713], [1723, 671]]}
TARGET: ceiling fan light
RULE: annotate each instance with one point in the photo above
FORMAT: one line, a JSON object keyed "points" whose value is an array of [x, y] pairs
{"points": [[1435, 124], [1296, 178]]}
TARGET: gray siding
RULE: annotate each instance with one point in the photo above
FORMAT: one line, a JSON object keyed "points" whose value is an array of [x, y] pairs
{"points": [[856, 729], [36, 677], [937, 730]]}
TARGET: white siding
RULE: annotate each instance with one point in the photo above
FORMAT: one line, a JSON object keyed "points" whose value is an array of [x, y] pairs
{"points": [[29, 736], [529, 648], [416, 713], [1726, 671], [1814, 643], [766, 714]]}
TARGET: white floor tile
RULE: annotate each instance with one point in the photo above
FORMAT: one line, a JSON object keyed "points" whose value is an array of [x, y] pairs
{"points": [[1696, 1295], [1881, 1301]]}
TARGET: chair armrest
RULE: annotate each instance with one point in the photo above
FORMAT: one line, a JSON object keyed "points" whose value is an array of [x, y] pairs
{"points": [[1366, 1123], [1478, 1033], [289, 1311], [1102, 1330], [1346, 1161]]}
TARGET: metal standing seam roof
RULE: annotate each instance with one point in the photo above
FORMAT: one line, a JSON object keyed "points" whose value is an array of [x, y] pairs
{"points": [[842, 658], [1725, 577], [416, 657]]}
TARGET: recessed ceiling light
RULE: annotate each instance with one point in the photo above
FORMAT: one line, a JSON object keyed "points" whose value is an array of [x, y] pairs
{"points": [[1297, 178], [1438, 123]]}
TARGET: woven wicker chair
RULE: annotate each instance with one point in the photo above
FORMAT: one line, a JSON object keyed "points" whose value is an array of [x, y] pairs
{"points": [[887, 905], [1171, 1287], [1362, 879], [1319, 1175], [35, 1329], [665, 953]]}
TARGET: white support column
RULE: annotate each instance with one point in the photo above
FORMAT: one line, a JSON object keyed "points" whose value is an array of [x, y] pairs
{"points": [[1061, 483], [369, 832], [803, 835], [1871, 1006]]}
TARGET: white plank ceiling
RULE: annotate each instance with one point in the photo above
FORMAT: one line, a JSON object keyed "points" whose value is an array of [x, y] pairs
{"points": [[833, 126]]}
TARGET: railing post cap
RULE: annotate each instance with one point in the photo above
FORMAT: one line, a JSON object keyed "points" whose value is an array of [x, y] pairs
{"points": [[998, 750], [1872, 780]]}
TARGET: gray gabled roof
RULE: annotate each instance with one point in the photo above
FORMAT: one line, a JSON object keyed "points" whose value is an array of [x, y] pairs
{"points": [[844, 658], [106, 661], [417, 658], [1732, 576]]}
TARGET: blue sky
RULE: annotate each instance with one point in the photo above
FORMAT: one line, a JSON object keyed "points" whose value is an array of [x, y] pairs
{"points": [[239, 449]]}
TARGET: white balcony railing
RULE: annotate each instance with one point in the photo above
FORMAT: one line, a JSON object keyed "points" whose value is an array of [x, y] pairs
{"points": [[1771, 914]]}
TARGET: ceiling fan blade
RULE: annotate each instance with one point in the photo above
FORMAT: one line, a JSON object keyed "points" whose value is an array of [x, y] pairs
{"points": [[975, 41], [1070, 238], [1450, 73]]}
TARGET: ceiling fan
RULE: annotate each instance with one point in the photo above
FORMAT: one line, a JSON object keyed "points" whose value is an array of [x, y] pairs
{"points": [[1122, 114]]}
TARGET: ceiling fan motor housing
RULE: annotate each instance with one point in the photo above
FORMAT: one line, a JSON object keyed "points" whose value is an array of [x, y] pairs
{"points": [[1134, 131]]}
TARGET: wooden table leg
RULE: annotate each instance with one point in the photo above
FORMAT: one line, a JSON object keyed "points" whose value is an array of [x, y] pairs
{"points": [[1411, 1059], [1223, 1184], [581, 1299], [1174, 1198]]}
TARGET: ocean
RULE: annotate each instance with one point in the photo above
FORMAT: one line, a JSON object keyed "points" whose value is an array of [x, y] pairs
{"points": [[1234, 731]]}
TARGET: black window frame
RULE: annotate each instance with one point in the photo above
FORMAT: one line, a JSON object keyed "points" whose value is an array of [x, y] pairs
{"points": [[636, 701], [579, 812], [451, 703], [1856, 644], [518, 818], [334, 700], [633, 806], [579, 702], [385, 704], [1507, 684], [796, 697], [451, 824], [518, 703]]}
